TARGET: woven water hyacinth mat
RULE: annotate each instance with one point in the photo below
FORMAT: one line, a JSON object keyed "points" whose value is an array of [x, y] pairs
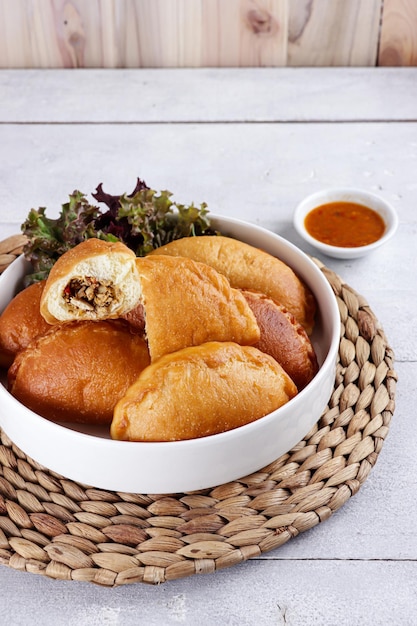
{"points": [[52, 526]]}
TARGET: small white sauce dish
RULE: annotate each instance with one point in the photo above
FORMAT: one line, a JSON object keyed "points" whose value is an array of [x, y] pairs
{"points": [[345, 194]]}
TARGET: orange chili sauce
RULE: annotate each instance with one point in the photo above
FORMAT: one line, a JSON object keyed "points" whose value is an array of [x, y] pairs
{"points": [[344, 224]]}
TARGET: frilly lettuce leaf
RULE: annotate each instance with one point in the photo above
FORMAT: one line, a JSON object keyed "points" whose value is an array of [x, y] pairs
{"points": [[49, 238], [142, 220]]}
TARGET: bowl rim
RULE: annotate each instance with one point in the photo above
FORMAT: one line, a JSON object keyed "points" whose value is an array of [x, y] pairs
{"points": [[355, 194], [206, 444], [251, 425]]}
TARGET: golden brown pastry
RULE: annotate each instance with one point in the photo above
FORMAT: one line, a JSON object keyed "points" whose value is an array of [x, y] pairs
{"points": [[78, 371], [201, 391], [21, 322], [96, 280], [283, 338], [188, 303], [136, 319], [247, 267]]}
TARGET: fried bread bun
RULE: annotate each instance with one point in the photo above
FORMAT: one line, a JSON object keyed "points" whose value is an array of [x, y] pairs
{"points": [[189, 303], [78, 371], [21, 322], [96, 280], [136, 319], [247, 267], [283, 337], [200, 391]]}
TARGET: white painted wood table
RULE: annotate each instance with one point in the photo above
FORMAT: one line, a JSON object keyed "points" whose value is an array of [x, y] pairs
{"points": [[252, 144]]}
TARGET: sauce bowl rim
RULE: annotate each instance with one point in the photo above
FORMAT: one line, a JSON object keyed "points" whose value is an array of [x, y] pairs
{"points": [[347, 194]]}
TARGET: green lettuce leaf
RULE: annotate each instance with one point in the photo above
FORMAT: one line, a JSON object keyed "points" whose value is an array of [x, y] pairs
{"points": [[143, 220]]}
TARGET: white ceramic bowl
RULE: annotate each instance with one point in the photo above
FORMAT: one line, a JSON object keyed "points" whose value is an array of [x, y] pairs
{"points": [[94, 459], [346, 194]]}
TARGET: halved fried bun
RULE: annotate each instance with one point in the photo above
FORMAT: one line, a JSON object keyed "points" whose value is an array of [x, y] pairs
{"points": [[188, 303], [200, 391], [247, 267], [21, 322], [78, 371], [283, 337], [96, 280]]}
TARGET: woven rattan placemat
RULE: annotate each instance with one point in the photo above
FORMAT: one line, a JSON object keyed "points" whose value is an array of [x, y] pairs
{"points": [[65, 530]]}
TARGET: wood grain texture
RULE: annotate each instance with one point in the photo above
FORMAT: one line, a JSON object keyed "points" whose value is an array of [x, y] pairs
{"points": [[333, 32], [369, 593], [143, 33], [206, 33], [359, 566], [398, 45], [193, 33], [208, 95]]}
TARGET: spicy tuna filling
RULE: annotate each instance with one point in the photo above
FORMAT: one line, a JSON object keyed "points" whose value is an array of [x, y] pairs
{"points": [[90, 294]]}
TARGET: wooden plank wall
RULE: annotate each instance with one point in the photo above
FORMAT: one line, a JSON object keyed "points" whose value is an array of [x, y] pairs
{"points": [[207, 33]]}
